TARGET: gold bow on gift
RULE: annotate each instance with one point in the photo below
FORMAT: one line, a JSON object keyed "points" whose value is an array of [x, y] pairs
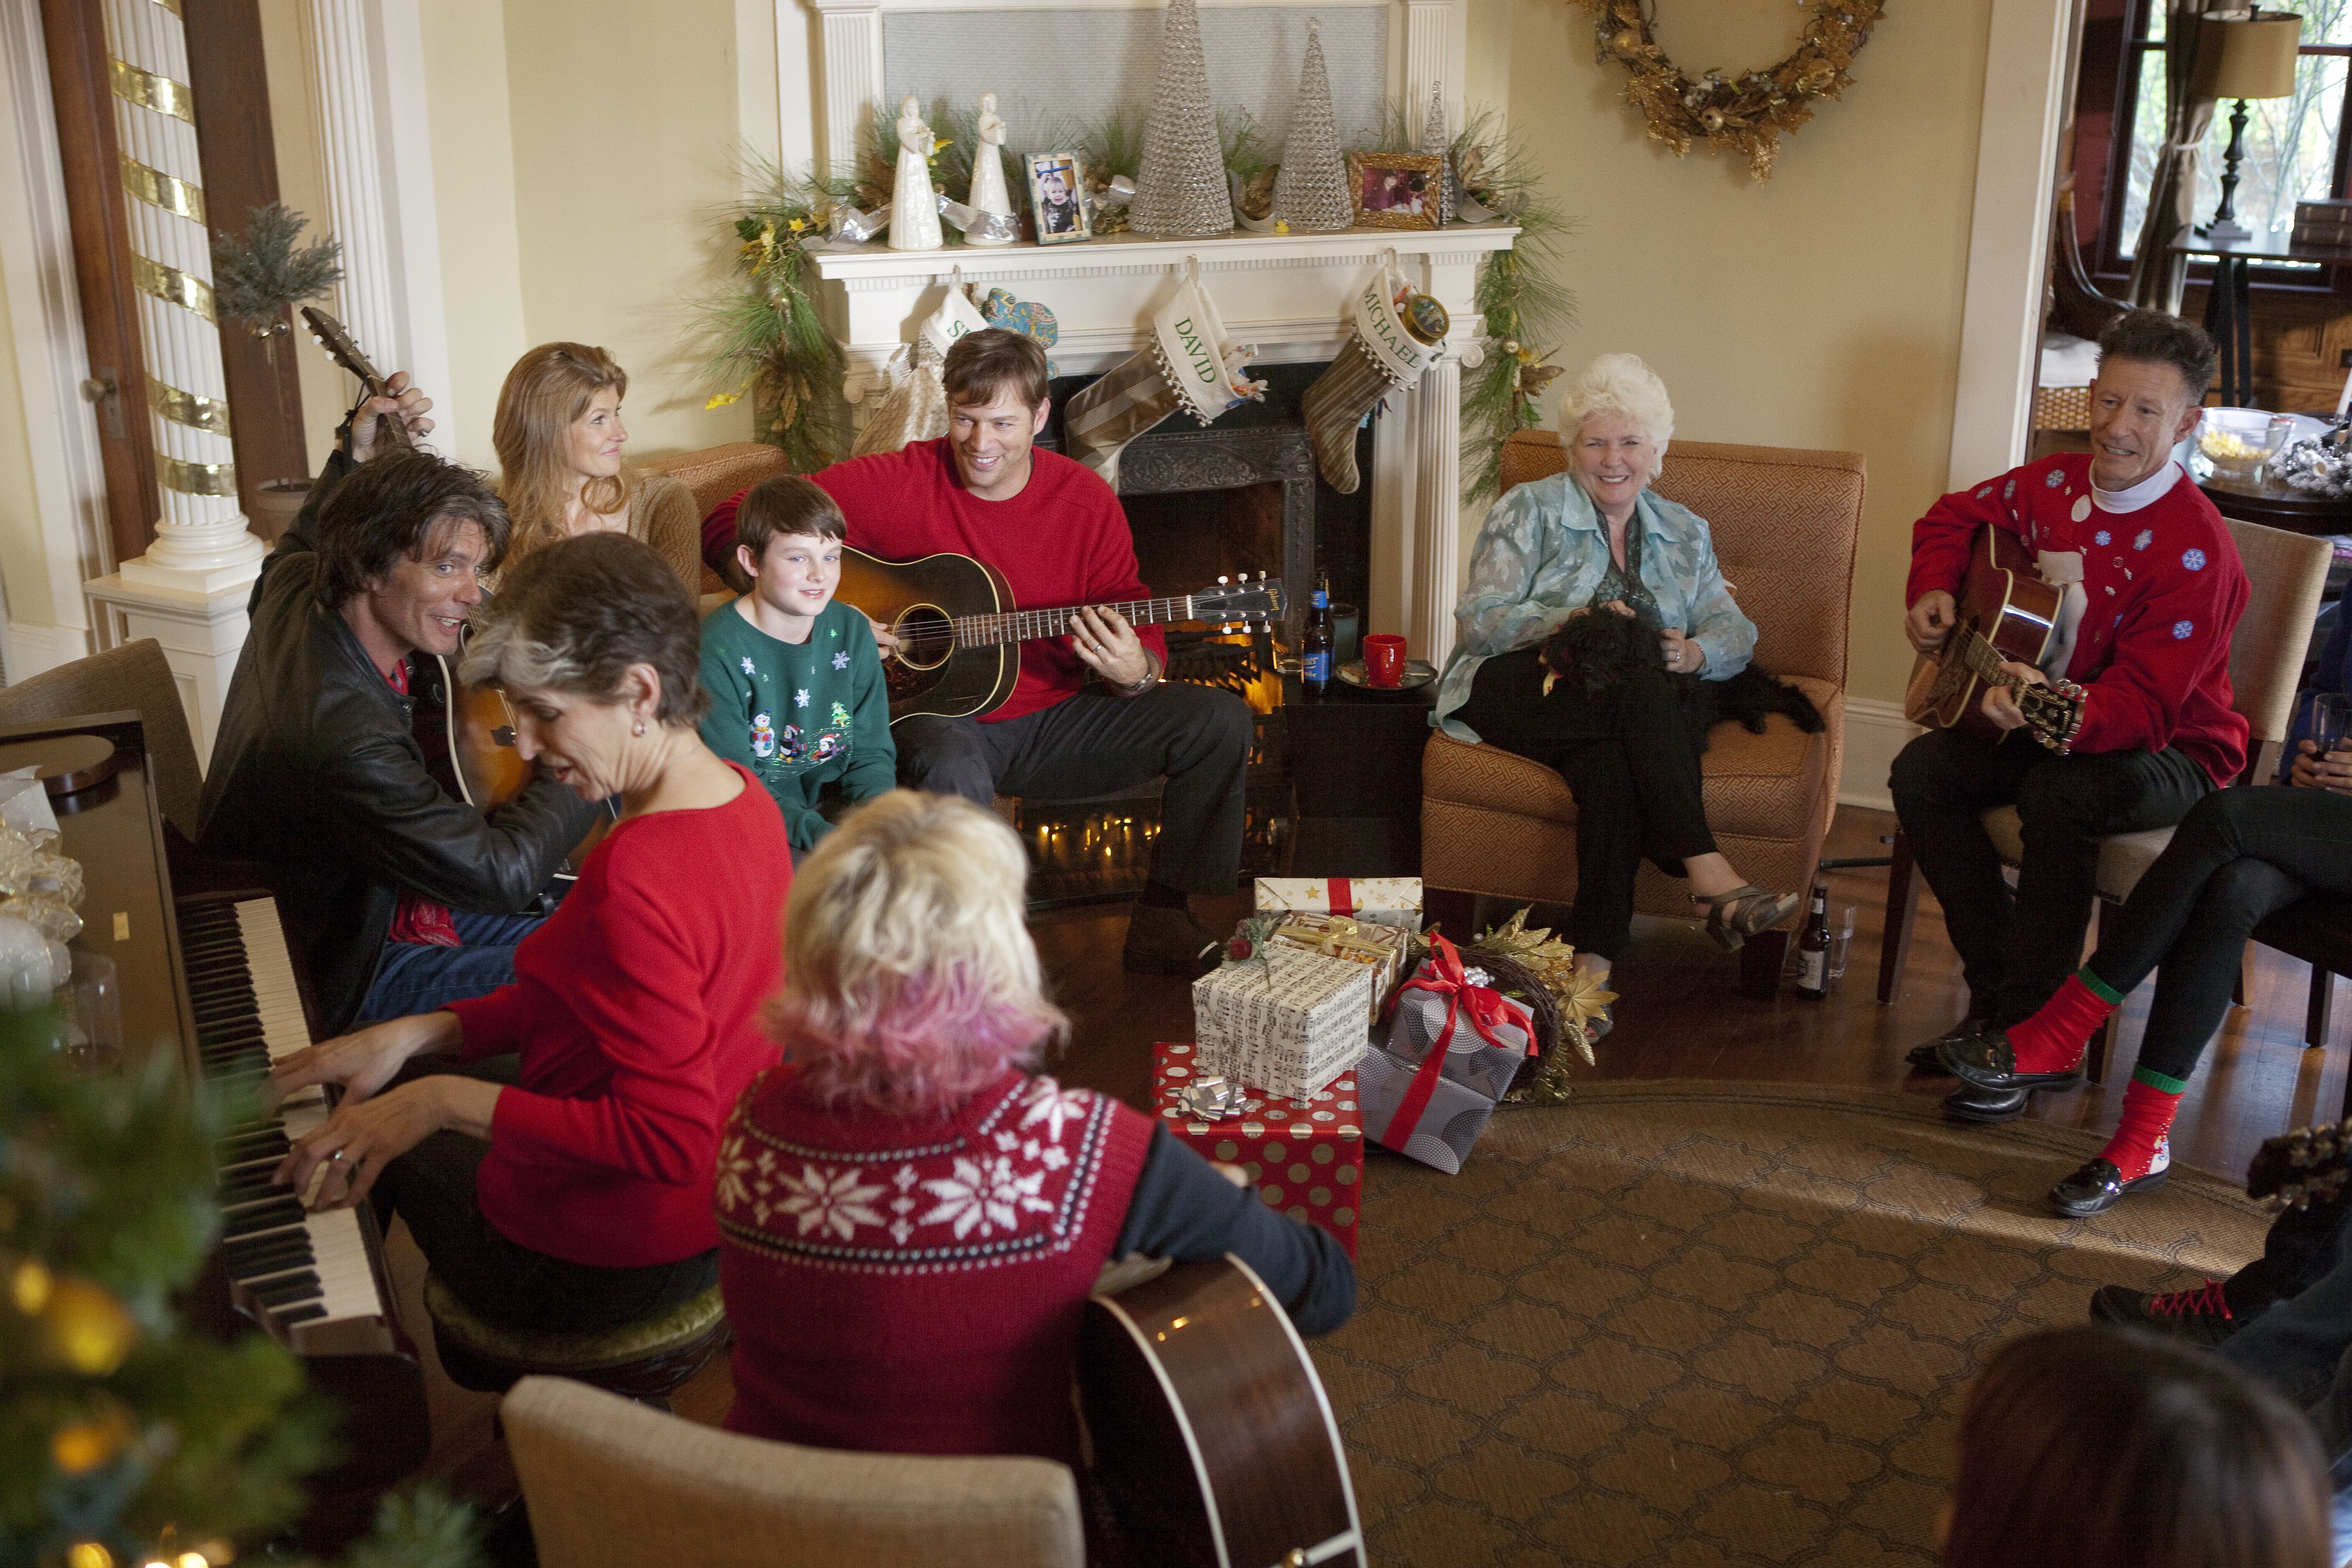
{"points": [[1337, 936]]}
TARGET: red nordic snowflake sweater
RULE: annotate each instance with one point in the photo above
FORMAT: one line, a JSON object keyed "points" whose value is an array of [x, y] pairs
{"points": [[916, 1287], [2164, 589]]}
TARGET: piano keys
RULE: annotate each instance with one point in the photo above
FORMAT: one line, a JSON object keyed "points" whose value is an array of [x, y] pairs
{"points": [[315, 1280], [178, 956]]}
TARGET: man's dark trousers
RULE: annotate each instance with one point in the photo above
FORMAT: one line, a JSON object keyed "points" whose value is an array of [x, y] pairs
{"points": [[2015, 950], [1096, 743]]}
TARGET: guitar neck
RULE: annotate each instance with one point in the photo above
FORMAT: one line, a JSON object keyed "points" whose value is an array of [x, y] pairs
{"points": [[1983, 659], [1028, 625]]}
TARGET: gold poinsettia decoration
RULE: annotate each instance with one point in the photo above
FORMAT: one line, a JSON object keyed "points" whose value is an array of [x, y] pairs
{"points": [[1581, 996], [1584, 998]]}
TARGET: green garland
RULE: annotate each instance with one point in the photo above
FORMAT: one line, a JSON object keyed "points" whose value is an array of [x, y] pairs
{"points": [[123, 1438], [1518, 293], [770, 343]]}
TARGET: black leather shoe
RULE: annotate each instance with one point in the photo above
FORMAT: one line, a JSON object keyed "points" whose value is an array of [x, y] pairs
{"points": [[1970, 1103], [2098, 1186], [1989, 1062], [1925, 1056]]}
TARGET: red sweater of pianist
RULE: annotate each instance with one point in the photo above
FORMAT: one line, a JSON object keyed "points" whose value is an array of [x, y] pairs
{"points": [[635, 1011], [1061, 542]]}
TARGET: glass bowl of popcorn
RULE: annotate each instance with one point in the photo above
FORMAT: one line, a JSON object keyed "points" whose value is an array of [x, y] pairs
{"points": [[2236, 441]]}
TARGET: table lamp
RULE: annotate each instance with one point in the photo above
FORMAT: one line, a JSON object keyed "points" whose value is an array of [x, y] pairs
{"points": [[2243, 57]]}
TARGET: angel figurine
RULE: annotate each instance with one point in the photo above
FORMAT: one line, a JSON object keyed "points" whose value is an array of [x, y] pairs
{"points": [[914, 206], [988, 194]]}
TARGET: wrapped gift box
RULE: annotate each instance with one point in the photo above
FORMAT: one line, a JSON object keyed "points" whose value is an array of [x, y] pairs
{"points": [[1384, 901], [1305, 1157], [1470, 1059], [1384, 947], [1448, 1124], [1290, 1020]]}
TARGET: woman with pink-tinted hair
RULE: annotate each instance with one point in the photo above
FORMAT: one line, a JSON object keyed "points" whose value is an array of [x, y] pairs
{"points": [[910, 1221]]}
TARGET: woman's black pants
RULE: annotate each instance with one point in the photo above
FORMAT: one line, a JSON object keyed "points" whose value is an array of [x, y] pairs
{"points": [[2238, 855], [1628, 758], [432, 1187]]}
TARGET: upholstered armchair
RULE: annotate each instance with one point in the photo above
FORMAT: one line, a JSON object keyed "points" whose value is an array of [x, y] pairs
{"points": [[1785, 523]]}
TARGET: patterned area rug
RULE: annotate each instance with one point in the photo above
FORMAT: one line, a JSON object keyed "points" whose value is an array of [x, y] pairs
{"points": [[1690, 1323]]}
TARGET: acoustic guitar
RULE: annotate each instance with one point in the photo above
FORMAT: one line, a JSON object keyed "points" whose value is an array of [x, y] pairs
{"points": [[959, 631], [473, 726], [1212, 1438], [2004, 611]]}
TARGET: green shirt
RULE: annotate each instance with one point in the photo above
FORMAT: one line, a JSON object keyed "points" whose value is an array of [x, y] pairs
{"points": [[800, 715]]}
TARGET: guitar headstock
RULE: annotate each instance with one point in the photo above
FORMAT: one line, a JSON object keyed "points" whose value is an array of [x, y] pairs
{"points": [[333, 337], [2302, 1167], [2054, 712], [1257, 600]]}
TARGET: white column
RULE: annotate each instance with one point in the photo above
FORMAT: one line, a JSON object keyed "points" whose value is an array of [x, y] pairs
{"points": [[202, 544], [367, 110], [1436, 510], [853, 77], [1436, 53]]}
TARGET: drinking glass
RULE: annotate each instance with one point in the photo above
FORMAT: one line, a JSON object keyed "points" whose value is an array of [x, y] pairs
{"points": [[1841, 939], [2331, 719], [89, 1014]]}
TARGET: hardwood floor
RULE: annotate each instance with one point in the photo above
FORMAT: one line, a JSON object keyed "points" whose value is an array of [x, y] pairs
{"points": [[1681, 1016]]}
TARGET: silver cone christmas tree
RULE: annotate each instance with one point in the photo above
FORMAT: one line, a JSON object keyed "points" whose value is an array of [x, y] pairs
{"points": [[1433, 139], [1310, 190], [1180, 185]]}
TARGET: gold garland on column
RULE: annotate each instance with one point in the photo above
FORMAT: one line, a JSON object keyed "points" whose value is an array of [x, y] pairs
{"points": [[1743, 113]]}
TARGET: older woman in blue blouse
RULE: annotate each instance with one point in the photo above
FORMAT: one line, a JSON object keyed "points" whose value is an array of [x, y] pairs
{"points": [[1595, 540]]}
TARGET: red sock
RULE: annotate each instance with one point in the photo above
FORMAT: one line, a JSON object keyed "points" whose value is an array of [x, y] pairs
{"points": [[2052, 1039], [2141, 1143]]}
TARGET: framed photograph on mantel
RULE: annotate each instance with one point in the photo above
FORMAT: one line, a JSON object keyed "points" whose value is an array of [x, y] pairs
{"points": [[1395, 190], [1057, 195]]}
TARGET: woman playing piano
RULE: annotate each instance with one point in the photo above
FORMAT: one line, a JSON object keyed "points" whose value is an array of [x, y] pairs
{"points": [[559, 437], [551, 1144], [911, 1221]]}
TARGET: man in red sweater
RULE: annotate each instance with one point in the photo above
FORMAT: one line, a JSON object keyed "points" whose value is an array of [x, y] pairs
{"points": [[1058, 534], [2154, 589]]}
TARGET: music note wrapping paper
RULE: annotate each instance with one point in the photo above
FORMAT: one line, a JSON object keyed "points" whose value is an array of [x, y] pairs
{"points": [[1306, 1158], [1289, 1021]]}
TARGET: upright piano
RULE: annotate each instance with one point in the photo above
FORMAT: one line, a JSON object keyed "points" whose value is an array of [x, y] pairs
{"points": [[207, 978]]}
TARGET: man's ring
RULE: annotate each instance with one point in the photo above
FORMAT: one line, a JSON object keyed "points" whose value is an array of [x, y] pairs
{"points": [[336, 1155]]}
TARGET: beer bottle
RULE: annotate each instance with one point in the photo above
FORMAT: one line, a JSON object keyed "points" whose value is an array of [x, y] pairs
{"points": [[1315, 663], [1813, 950]]}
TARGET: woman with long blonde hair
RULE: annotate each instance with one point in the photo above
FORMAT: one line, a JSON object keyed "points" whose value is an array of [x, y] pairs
{"points": [[559, 437]]}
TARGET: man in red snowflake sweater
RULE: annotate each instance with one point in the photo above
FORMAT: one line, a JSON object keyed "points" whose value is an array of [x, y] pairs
{"points": [[2153, 590]]}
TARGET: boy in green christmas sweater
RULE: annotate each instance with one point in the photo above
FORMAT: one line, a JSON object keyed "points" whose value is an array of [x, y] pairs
{"points": [[797, 693]]}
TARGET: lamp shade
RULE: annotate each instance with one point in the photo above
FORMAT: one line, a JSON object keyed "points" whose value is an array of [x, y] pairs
{"points": [[2249, 58]]}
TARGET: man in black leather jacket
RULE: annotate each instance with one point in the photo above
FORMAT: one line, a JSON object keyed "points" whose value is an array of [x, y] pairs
{"points": [[316, 771]]}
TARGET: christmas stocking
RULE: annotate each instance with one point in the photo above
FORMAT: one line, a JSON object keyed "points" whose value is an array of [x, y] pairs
{"points": [[1190, 365], [1395, 334], [915, 408]]}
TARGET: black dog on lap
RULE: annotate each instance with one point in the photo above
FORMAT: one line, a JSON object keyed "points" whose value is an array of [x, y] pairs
{"points": [[1591, 653]]}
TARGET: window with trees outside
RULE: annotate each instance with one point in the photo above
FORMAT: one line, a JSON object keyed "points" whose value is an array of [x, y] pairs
{"points": [[2295, 149]]}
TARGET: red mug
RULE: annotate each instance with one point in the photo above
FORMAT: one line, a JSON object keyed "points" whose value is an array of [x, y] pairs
{"points": [[1385, 659]]}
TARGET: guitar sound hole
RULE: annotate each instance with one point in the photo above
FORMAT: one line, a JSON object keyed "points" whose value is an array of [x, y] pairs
{"points": [[502, 736], [926, 637]]}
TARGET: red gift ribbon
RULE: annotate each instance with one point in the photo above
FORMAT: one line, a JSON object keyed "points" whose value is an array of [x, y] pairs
{"points": [[1487, 1009], [1343, 898]]}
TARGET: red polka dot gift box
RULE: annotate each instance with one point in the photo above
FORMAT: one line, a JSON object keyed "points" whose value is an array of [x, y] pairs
{"points": [[1305, 1157]]}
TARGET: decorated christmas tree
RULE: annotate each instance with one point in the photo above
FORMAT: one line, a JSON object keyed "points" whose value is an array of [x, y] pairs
{"points": [[125, 1437], [1180, 191], [1434, 140], [1310, 192]]}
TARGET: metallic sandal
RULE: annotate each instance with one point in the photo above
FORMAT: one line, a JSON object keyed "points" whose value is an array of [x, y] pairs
{"points": [[1733, 917]]}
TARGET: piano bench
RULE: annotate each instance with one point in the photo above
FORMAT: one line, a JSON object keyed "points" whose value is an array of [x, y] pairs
{"points": [[645, 1360]]}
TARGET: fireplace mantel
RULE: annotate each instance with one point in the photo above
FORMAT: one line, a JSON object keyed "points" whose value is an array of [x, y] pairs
{"points": [[1285, 293]]}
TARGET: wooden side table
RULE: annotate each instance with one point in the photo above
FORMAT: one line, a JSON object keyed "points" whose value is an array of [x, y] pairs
{"points": [[1354, 779], [2277, 505]]}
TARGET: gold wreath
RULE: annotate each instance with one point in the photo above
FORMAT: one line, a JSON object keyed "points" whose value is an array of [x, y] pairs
{"points": [[1745, 113]]}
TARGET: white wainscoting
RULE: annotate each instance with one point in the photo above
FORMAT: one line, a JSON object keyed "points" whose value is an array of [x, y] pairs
{"points": [[1874, 731]]}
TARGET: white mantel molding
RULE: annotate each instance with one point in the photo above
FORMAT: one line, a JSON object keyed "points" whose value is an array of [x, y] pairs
{"points": [[1286, 294]]}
